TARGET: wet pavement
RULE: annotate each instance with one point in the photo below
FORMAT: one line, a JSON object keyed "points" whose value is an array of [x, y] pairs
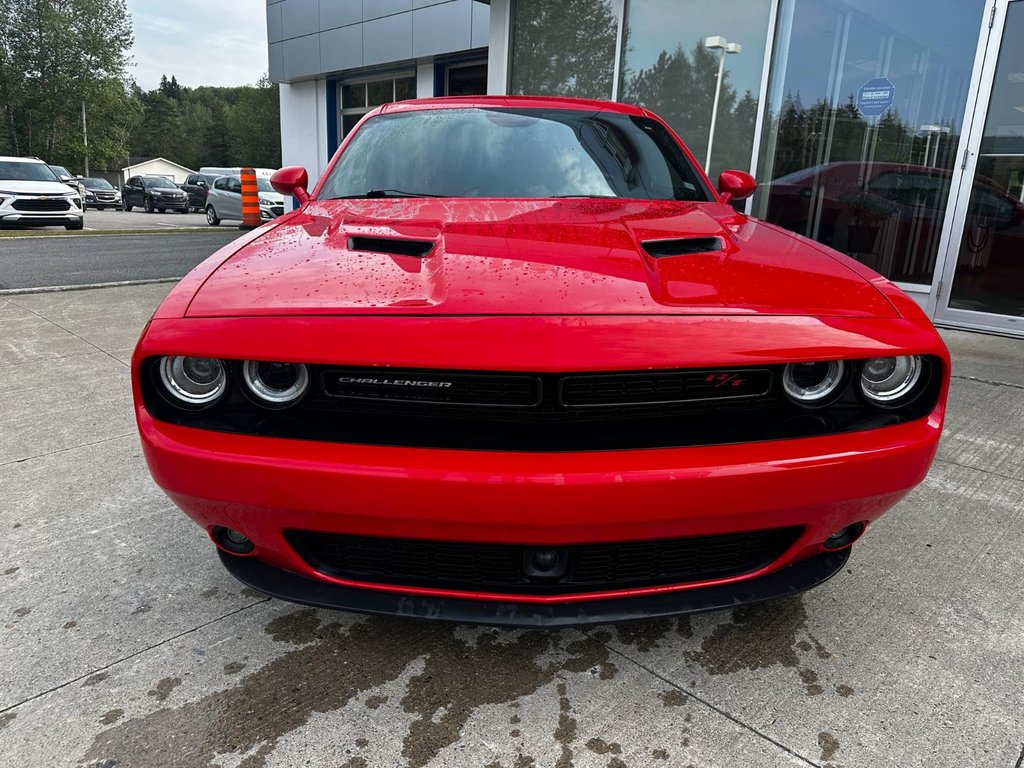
{"points": [[123, 642]]}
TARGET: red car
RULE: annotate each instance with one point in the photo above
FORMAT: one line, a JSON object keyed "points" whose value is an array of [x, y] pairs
{"points": [[515, 361]]}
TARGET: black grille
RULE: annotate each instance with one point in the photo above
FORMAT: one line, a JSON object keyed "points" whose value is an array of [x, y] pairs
{"points": [[505, 411], [677, 386], [502, 568], [55, 204]]}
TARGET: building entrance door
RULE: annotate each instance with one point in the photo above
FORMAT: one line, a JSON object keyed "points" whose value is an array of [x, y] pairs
{"points": [[983, 276]]}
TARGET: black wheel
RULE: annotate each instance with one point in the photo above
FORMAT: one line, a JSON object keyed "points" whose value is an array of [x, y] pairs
{"points": [[125, 206], [162, 210], [211, 216], [79, 225], [148, 205]]}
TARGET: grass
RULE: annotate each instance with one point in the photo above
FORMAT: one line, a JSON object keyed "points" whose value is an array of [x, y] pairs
{"points": [[96, 232]]}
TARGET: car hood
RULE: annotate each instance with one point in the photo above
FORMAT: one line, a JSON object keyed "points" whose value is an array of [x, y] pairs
{"points": [[164, 189], [35, 187], [531, 257], [276, 197]]}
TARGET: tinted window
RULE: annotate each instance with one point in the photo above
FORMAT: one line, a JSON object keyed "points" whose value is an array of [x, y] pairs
{"points": [[530, 153], [221, 183], [96, 183], [234, 184], [18, 171]]}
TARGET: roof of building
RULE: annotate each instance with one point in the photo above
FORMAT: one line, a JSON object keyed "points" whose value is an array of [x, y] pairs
{"points": [[137, 161]]}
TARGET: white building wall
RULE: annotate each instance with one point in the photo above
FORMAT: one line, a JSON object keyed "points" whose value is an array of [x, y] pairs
{"points": [[304, 126]]}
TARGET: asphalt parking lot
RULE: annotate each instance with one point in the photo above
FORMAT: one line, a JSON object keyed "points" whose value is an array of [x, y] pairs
{"points": [[125, 643], [139, 219]]}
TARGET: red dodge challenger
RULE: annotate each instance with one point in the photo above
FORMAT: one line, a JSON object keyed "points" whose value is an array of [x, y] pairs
{"points": [[515, 361]]}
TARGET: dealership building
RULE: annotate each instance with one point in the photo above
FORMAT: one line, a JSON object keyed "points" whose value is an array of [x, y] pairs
{"points": [[892, 131]]}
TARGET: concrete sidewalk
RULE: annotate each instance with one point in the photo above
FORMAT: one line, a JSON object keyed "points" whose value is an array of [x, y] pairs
{"points": [[125, 643]]}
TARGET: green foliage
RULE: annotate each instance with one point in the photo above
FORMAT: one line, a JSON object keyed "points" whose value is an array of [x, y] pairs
{"points": [[566, 48], [56, 55], [210, 126], [826, 133], [680, 87]]}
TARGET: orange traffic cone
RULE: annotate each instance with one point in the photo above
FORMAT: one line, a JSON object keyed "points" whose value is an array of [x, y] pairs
{"points": [[250, 200]]}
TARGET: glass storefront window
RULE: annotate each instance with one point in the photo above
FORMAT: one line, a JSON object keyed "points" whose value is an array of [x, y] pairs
{"points": [[865, 110], [563, 48], [666, 68], [989, 273]]}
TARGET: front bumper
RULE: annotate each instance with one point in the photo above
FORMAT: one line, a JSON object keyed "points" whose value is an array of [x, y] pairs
{"points": [[263, 487], [173, 205], [280, 583], [39, 219]]}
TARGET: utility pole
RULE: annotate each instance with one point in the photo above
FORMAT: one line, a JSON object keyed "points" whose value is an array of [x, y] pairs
{"points": [[85, 139]]}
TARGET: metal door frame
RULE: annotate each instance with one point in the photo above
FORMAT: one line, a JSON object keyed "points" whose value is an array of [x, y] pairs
{"points": [[982, 83]]}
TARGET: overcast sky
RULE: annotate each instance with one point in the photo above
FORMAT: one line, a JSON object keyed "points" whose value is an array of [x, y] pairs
{"points": [[201, 42]]}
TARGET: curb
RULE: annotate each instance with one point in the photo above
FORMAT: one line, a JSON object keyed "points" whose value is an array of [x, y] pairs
{"points": [[85, 286]]}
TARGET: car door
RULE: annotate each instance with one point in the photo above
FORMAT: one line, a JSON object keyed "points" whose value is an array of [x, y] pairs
{"points": [[129, 192], [232, 199]]}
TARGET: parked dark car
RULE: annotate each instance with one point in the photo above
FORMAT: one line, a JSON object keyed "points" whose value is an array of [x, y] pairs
{"points": [[66, 177], [198, 185], [100, 194], [153, 193]]}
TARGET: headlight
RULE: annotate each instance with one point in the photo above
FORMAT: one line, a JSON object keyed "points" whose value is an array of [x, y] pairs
{"points": [[885, 380], [812, 384], [269, 203], [195, 381], [276, 383]]}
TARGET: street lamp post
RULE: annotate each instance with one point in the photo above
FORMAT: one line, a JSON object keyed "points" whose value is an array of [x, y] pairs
{"points": [[717, 42]]}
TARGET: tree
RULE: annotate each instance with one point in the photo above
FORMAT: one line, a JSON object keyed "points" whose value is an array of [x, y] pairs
{"points": [[564, 48], [254, 126], [55, 56]]}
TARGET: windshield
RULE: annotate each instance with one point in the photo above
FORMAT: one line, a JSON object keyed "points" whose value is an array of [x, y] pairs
{"points": [[61, 171], [153, 182], [510, 153], [96, 183], [263, 184], [18, 171]]}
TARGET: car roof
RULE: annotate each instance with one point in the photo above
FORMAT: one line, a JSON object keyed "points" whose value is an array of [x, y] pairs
{"points": [[521, 102], [13, 159]]}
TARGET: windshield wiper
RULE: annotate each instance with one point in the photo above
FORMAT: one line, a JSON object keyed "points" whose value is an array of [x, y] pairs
{"points": [[385, 193]]}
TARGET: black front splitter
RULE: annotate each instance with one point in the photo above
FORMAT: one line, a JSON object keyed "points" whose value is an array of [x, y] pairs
{"points": [[298, 589]]}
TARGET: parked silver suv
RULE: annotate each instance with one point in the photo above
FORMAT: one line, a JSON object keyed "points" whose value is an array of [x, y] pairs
{"points": [[224, 200], [31, 195]]}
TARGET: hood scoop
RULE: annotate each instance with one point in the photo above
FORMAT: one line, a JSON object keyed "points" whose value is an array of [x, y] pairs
{"points": [[682, 246], [391, 245]]}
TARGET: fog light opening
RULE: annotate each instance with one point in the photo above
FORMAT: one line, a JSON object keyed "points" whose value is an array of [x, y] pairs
{"points": [[844, 537], [545, 564], [231, 541]]}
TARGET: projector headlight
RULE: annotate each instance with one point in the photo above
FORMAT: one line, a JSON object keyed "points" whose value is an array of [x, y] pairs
{"points": [[886, 381], [195, 381], [812, 384]]}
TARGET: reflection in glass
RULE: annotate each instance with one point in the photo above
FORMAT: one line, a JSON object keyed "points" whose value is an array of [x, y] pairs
{"points": [[666, 68], [563, 48], [867, 175], [990, 264], [507, 153]]}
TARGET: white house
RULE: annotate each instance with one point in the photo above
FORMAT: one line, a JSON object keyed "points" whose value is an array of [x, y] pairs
{"points": [[154, 166]]}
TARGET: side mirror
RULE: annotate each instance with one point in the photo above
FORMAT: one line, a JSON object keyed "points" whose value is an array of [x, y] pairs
{"points": [[735, 185], [293, 181]]}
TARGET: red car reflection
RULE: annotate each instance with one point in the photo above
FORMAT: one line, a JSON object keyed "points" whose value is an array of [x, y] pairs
{"points": [[890, 216], [515, 361]]}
